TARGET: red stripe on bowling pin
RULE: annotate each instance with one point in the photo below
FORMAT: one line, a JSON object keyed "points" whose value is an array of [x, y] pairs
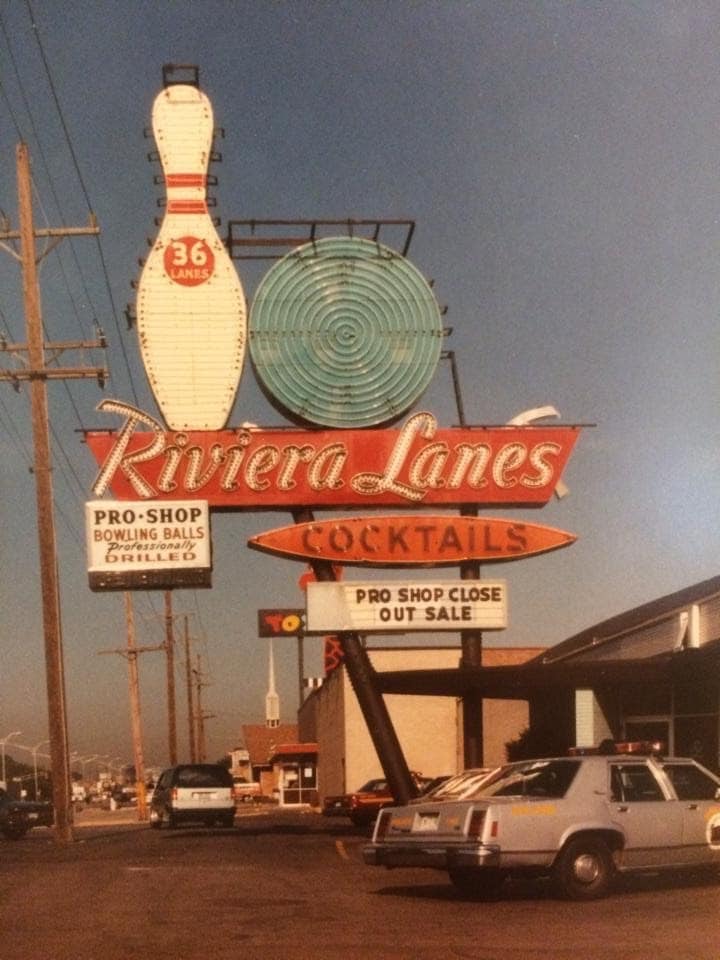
{"points": [[185, 180], [186, 206]]}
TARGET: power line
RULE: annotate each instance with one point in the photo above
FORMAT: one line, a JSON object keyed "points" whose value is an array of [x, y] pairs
{"points": [[85, 192]]}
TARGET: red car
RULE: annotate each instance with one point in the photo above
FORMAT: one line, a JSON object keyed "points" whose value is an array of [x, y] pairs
{"points": [[362, 806]]}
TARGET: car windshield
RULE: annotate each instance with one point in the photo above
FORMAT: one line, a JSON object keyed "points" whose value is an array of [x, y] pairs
{"points": [[374, 786], [460, 787], [203, 776], [534, 778]]}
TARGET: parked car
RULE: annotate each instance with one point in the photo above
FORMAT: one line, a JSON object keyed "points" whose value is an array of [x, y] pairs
{"points": [[579, 820], [246, 791], [19, 816], [459, 787], [363, 805], [193, 793]]}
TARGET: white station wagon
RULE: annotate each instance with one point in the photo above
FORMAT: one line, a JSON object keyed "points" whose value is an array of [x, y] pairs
{"points": [[578, 819]]}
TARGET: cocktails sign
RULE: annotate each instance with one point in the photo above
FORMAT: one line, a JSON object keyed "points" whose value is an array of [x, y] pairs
{"points": [[411, 540]]}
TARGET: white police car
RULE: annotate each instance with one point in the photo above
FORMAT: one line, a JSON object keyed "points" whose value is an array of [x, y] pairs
{"points": [[578, 819]]}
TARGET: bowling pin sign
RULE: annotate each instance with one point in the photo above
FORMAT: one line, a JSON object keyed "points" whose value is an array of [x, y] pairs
{"points": [[191, 312]]}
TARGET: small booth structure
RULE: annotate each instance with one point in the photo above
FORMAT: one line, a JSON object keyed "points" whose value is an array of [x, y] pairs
{"points": [[295, 773]]}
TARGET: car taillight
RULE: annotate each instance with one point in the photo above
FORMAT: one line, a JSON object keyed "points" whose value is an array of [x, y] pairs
{"points": [[383, 822], [174, 794], [477, 819]]}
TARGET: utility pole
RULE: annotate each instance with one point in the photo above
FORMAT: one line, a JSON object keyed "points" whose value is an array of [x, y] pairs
{"points": [[134, 691], [170, 668], [201, 715], [131, 653], [188, 685], [33, 368]]}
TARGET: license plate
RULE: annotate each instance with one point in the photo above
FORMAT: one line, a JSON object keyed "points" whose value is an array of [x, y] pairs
{"points": [[204, 796], [33, 816], [426, 822]]}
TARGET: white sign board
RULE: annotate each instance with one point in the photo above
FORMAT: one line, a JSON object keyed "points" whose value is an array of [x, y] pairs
{"points": [[170, 539], [369, 607]]}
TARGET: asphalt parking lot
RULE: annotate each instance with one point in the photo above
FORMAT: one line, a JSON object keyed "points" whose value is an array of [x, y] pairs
{"points": [[289, 883]]}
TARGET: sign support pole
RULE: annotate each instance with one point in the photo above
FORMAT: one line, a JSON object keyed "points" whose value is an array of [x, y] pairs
{"points": [[374, 709], [471, 658]]}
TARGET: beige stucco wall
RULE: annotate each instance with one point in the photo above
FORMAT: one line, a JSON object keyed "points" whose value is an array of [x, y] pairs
{"points": [[426, 726], [429, 728]]}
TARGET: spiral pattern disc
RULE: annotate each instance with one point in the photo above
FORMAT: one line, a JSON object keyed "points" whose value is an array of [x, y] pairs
{"points": [[344, 332]]}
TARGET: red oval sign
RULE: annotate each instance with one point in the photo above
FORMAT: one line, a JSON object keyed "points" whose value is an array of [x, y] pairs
{"points": [[402, 541]]}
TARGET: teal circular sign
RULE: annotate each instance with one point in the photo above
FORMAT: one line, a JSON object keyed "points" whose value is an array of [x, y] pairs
{"points": [[344, 332]]}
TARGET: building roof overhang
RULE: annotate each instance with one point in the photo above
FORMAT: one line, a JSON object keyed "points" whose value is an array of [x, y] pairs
{"points": [[523, 681]]}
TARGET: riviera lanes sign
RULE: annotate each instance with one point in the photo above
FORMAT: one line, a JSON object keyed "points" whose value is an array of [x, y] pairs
{"points": [[411, 540], [381, 607], [270, 469]]}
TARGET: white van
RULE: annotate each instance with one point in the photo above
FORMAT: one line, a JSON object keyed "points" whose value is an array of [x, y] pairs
{"points": [[193, 793]]}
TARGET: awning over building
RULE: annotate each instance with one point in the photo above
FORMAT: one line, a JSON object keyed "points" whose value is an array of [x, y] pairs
{"points": [[673, 639], [294, 751]]}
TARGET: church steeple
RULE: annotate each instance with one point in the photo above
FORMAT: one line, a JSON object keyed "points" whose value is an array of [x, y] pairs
{"points": [[272, 700]]}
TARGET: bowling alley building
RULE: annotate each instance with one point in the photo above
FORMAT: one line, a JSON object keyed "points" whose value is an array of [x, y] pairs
{"points": [[651, 673]]}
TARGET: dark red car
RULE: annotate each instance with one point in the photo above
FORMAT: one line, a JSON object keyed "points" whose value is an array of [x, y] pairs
{"points": [[362, 806]]}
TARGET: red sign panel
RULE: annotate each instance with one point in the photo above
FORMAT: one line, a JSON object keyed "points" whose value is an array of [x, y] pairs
{"points": [[411, 541], [251, 468]]}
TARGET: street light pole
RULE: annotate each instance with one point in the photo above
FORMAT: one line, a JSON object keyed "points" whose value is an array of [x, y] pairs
{"points": [[3, 741], [84, 760], [35, 770]]}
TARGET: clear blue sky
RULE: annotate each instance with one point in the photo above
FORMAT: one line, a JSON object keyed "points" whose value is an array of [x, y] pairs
{"points": [[562, 162]]}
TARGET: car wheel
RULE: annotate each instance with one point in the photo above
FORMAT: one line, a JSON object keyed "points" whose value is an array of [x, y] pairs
{"points": [[172, 821], [360, 820], [155, 820], [229, 820], [584, 869], [480, 883]]}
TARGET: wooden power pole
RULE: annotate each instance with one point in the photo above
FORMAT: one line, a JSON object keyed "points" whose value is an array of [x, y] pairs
{"points": [[131, 652], [136, 723], [189, 688], [170, 670], [34, 369], [201, 716]]}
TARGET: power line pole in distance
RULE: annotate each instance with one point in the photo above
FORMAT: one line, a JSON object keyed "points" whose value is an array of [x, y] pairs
{"points": [[170, 675], [189, 690], [131, 652]]}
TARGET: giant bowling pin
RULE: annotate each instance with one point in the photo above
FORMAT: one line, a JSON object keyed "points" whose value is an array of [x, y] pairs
{"points": [[191, 312]]}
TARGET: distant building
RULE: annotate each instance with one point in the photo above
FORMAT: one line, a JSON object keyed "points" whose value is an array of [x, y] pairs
{"points": [[429, 728], [261, 743]]}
